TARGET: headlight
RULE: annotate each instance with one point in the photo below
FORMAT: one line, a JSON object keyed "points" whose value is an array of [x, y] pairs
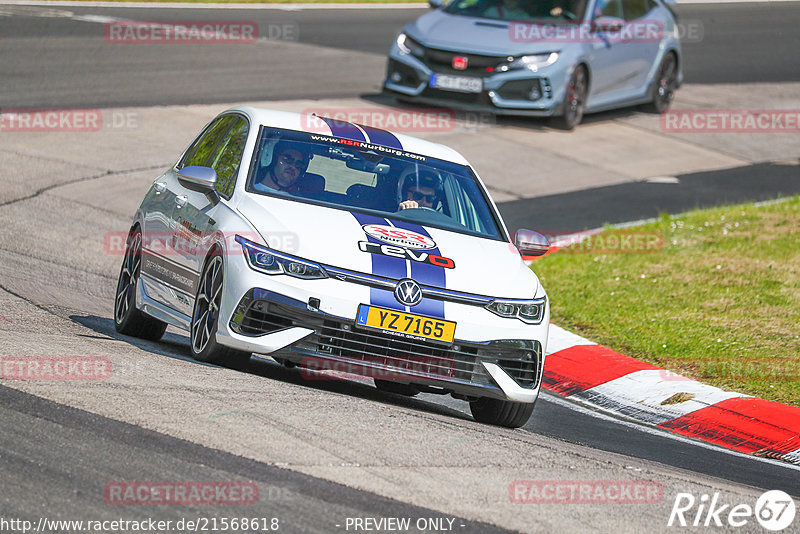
{"points": [[407, 45], [269, 261], [533, 62], [527, 311]]}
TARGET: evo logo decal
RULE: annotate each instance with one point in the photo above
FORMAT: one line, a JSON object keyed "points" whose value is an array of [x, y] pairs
{"points": [[406, 254]]}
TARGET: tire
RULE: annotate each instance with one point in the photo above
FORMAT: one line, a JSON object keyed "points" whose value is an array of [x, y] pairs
{"points": [[501, 413], [664, 85], [205, 319], [407, 390], [575, 101], [128, 319]]}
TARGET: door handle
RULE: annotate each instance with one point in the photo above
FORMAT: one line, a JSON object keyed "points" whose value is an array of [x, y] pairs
{"points": [[181, 201], [160, 187]]}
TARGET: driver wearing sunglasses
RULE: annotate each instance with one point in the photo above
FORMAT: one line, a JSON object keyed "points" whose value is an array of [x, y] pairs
{"points": [[421, 188], [287, 171]]}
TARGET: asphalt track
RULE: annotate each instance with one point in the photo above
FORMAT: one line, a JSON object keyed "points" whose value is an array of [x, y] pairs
{"points": [[74, 66], [57, 61]]}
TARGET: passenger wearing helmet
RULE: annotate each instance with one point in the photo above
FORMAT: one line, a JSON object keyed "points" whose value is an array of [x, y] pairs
{"points": [[287, 171], [420, 188]]}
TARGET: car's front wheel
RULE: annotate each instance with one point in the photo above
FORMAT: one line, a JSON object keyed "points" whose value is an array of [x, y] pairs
{"points": [[665, 82], [501, 413], [574, 101], [205, 318], [128, 319]]}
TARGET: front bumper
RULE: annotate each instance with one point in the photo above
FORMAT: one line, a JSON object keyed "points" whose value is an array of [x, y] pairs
{"points": [[518, 92], [501, 369]]}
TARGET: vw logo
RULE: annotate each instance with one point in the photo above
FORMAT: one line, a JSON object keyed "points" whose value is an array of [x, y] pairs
{"points": [[408, 292]]}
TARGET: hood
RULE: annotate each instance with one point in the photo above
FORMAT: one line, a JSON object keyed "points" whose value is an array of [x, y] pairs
{"points": [[458, 33], [338, 238]]}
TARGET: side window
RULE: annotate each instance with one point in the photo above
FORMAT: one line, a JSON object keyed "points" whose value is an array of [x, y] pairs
{"points": [[636, 9], [201, 150], [228, 156], [608, 8]]}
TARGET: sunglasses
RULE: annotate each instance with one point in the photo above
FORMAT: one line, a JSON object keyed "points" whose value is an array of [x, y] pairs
{"points": [[418, 196], [287, 159]]}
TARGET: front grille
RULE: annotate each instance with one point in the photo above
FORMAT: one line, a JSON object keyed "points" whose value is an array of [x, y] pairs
{"points": [[477, 65], [342, 339]]}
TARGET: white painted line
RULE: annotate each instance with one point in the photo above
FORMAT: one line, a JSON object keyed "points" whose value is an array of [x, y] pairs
{"points": [[561, 339], [578, 406], [565, 240], [188, 5], [772, 201], [100, 19], [639, 395], [662, 180]]}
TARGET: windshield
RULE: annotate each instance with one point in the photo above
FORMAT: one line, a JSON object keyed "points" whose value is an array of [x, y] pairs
{"points": [[523, 10], [372, 179]]}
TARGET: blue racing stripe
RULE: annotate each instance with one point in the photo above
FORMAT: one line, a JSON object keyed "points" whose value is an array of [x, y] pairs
{"points": [[382, 137], [344, 130], [383, 266], [426, 274]]}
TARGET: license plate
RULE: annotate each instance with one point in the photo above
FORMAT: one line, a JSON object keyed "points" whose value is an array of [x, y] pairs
{"points": [[463, 84], [407, 325]]}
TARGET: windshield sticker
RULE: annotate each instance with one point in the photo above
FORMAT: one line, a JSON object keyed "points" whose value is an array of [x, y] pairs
{"points": [[367, 146], [399, 236]]}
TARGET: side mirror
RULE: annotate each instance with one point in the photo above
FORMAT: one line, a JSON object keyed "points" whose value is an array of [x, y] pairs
{"points": [[530, 243], [203, 178], [436, 4], [607, 24]]}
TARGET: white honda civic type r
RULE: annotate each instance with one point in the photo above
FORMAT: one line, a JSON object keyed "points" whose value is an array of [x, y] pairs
{"points": [[331, 245]]}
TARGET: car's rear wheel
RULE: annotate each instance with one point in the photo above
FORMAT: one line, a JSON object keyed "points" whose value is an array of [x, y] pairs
{"points": [[395, 387], [128, 319], [575, 100], [205, 318], [665, 82], [501, 413]]}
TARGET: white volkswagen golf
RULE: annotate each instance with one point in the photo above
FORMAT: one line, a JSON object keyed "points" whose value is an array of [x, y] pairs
{"points": [[331, 245]]}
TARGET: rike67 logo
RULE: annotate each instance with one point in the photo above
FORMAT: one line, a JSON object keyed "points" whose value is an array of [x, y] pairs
{"points": [[774, 510]]}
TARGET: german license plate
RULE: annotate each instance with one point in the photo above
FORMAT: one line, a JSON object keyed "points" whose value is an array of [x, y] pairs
{"points": [[463, 84], [407, 325]]}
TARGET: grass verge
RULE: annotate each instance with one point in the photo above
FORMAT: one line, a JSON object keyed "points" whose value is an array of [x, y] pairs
{"points": [[719, 302]]}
